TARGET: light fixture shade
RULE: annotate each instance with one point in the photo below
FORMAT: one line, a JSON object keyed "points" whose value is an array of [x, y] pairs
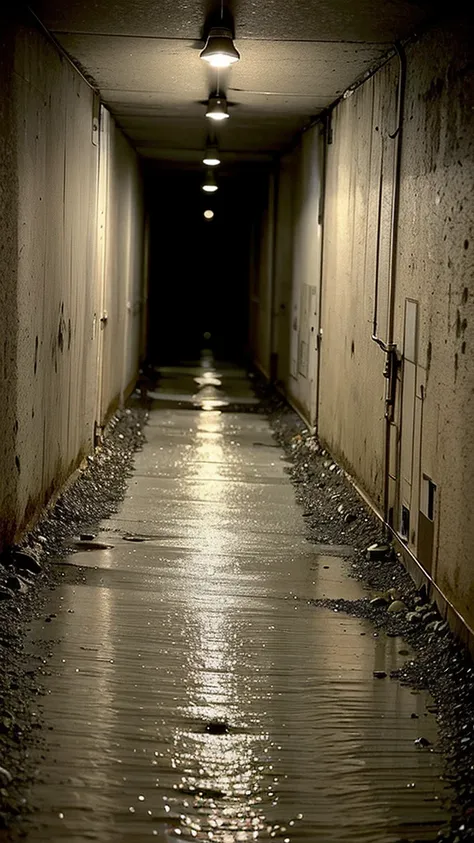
{"points": [[211, 157], [220, 50], [208, 215], [209, 185], [217, 108]]}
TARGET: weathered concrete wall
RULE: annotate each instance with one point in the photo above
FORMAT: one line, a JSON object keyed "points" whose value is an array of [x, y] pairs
{"points": [[283, 268], [57, 174], [431, 484], [288, 273], [358, 203], [307, 186], [123, 272], [436, 269], [432, 438], [53, 358], [8, 280]]}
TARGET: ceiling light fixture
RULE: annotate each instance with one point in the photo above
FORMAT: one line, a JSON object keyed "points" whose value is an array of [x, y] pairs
{"points": [[208, 215], [217, 108], [220, 50], [211, 156], [209, 185]]}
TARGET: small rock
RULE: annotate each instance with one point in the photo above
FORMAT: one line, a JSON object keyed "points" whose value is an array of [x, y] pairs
{"points": [[5, 594], [379, 674], [377, 552], [87, 537], [380, 600], [413, 617], [17, 584], [5, 777], [350, 517], [397, 606], [25, 560], [430, 617], [414, 716], [422, 742]]}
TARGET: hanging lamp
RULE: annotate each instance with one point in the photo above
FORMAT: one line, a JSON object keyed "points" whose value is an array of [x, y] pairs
{"points": [[209, 185], [217, 108], [211, 156], [220, 50]]}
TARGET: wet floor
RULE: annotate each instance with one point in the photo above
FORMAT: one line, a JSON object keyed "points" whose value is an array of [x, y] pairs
{"points": [[192, 690]]}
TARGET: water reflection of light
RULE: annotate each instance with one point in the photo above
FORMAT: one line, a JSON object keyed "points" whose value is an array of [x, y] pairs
{"points": [[220, 782]]}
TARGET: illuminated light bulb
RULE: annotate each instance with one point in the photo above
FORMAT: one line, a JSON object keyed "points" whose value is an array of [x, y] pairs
{"points": [[211, 157], [220, 50], [217, 108], [208, 214], [209, 185]]}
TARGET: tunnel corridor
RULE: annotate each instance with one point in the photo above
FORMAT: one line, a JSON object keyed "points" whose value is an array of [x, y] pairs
{"points": [[245, 231]]}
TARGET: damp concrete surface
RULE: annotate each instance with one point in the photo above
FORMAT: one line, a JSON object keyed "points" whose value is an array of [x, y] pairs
{"points": [[193, 691]]}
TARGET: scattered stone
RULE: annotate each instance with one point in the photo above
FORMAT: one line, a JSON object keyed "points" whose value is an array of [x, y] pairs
{"points": [[17, 584], [379, 674], [413, 617], [422, 742], [5, 777], [350, 517], [397, 606], [430, 616], [25, 560], [377, 552], [379, 600]]}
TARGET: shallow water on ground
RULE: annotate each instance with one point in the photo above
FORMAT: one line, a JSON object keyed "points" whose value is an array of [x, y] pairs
{"points": [[192, 690]]}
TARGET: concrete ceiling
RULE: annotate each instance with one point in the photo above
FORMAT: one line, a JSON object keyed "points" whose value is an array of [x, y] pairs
{"points": [[296, 59]]}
